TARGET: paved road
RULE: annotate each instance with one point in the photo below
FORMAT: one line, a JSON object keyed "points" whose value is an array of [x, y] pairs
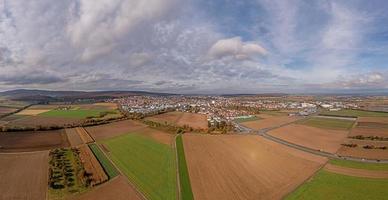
{"points": [[263, 133]]}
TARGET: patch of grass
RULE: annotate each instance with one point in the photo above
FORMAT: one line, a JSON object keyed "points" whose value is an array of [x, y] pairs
{"points": [[184, 177], [360, 165], [327, 123], [355, 113], [78, 114], [328, 185], [240, 120], [106, 164], [274, 112], [149, 164]]}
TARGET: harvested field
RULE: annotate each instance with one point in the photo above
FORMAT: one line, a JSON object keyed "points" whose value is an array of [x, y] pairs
{"points": [[369, 132], [114, 129], [73, 137], [269, 122], [24, 175], [194, 120], [111, 106], [32, 141], [160, 136], [373, 119], [6, 110], [92, 166], [117, 189], [355, 113], [327, 185], [245, 167], [84, 135], [31, 112], [360, 152], [314, 138], [33, 121], [356, 172]]}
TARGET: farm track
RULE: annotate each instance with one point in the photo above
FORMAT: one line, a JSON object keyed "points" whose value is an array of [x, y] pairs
{"points": [[85, 137]]}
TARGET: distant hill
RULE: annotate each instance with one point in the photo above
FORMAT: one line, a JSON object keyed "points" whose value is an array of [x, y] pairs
{"points": [[48, 95]]}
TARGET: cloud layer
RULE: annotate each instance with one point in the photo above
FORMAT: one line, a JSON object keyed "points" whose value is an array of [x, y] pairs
{"points": [[193, 46]]}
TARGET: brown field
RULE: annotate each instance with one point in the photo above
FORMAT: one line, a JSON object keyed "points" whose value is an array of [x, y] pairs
{"points": [[373, 119], [369, 132], [32, 111], [6, 110], [314, 138], [360, 152], [92, 166], [356, 172], [24, 175], [194, 120], [117, 189], [73, 137], [245, 167], [114, 129], [84, 135], [160, 136], [107, 105], [33, 121], [269, 121], [32, 141]]}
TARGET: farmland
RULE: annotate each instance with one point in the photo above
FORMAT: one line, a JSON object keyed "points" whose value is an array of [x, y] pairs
{"points": [[32, 141], [328, 185], [269, 121], [23, 175], [149, 164], [184, 177], [314, 138], [106, 164], [194, 120], [361, 150], [360, 165], [114, 129], [355, 113], [327, 123], [92, 166], [244, 167]]}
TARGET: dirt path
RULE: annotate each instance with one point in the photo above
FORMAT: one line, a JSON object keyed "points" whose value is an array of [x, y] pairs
{"points": [[356, 172]]}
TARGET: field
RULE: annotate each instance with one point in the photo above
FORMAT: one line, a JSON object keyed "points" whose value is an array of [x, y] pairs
{"points": [[184, 178], [371, 126], [114, 129], [361, 152], [34, 121], [6, 110], [23, 176], [84, 135], [32, 111], [314, 138], [269, 121], [245, 167], [355, 113], [360, 165], [149, 164], [241, 120], [117, 189], [92, 166], [326, 123], [328, 185], [32, 141], [194, 120], [363, 173], [73, 137], [110, 170]]}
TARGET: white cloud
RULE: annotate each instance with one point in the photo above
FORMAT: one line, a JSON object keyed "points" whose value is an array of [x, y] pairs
{"points": [[236, 48]]}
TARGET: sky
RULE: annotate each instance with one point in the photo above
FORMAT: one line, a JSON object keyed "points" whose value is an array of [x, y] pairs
{"points": [[195, 46]]}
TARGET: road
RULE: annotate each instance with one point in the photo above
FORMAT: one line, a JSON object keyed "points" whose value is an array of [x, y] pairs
{"points": [[263, 133]]}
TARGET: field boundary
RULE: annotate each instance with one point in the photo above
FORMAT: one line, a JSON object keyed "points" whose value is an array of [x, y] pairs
{"points": [[178, 182], [187, 193]]}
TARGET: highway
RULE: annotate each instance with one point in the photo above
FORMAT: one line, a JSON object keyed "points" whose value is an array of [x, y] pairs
{"points": [[264, 134]]}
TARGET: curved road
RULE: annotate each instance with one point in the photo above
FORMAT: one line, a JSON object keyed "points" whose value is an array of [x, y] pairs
{"points": [[263, 133]]}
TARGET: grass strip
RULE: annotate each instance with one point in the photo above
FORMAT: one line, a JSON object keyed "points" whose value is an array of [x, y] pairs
{"points": [[360, 165], [106, 164], [186, 192]]}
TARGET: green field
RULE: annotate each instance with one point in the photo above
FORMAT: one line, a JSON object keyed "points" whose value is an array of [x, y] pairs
{"points": [[360, 165], [327, 123], [327, 185], [78, 114], [106, 164], [240, 120], [355, 113], [274, 112], [184, 178], [149, 164]]}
